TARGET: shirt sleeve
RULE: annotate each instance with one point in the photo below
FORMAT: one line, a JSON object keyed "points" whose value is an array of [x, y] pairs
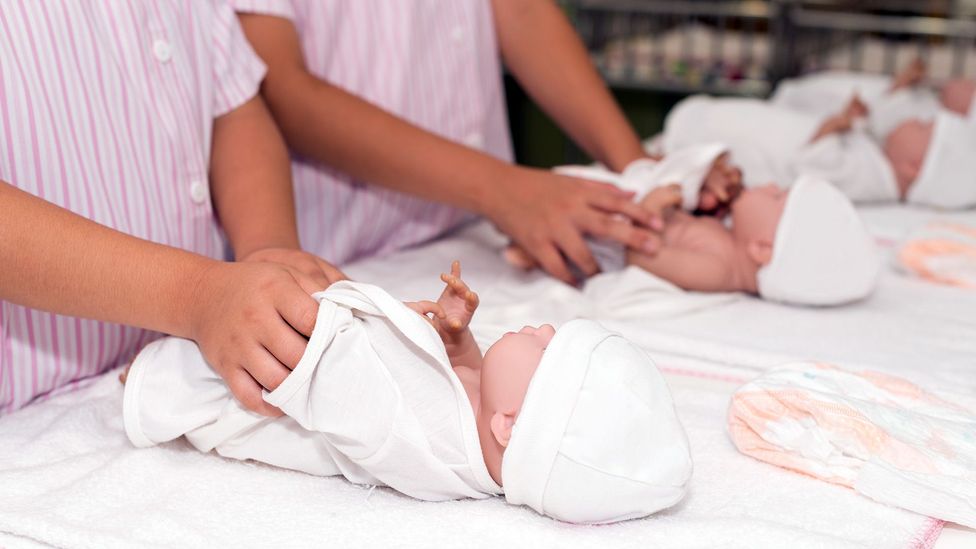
{"points": [[278, 8], [237, 69]]}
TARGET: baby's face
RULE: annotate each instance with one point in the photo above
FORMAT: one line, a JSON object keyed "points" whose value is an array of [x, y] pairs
{"points": [[509, 365], [905, 149], [756, 213]]}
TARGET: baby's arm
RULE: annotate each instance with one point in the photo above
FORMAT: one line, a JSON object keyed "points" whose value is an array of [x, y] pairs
{"points": [[687, 269], [451, 315]]}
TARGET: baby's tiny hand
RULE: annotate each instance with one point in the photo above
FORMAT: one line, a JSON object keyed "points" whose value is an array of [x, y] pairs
{"points": [[426, 308], [457, 301]]}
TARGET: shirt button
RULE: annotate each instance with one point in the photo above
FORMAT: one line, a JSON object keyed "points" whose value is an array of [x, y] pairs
{"points": [[475, 140], [162, 50], [199, 192], [457, 34]]}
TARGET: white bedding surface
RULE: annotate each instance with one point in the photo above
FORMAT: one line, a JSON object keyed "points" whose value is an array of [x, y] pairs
{"points": [[69, 478]]}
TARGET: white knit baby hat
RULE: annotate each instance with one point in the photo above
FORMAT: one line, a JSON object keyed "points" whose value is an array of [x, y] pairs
{"points": [[948, 175], [822, 253], [597, 439]]}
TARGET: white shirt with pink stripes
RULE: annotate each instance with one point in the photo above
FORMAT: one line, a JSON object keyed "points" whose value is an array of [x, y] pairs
{"points": [[434, 63], [107, 109]]}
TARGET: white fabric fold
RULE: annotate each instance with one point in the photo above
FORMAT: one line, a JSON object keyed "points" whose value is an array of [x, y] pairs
{"points": [[373, 398]]}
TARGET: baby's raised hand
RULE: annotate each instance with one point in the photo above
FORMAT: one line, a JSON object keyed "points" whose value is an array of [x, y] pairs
{"points": [[662, 200], [457, 302]]}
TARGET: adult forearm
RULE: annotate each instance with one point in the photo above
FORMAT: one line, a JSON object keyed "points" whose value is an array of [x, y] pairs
{"points": [[57, 261], [250, 178], [547, 57], [340, 130]]}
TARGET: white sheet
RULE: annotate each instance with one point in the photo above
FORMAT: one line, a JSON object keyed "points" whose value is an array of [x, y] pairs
{"points": [[69, 478]]}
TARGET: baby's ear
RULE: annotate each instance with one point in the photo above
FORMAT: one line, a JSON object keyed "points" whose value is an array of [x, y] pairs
{"points": [[760, 251], [501, 427]]}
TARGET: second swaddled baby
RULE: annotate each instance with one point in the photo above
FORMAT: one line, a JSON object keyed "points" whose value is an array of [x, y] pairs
{"points": [[577, 424]]}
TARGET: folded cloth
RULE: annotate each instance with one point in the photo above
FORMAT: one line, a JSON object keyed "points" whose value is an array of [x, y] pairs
{"points": [[941, 252], [881, 435], [686, 167], [373, 399]]}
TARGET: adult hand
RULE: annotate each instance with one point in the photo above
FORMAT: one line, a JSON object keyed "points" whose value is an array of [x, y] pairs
{"points": [[550, 214], [251, 321], [311, 272]]}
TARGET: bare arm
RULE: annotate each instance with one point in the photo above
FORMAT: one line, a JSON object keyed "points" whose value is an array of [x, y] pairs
{"points": [[688, 270], [545, 212], [543, 51], [249, 319], [250, 180]]}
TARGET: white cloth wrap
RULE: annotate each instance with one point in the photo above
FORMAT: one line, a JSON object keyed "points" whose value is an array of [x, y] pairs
{"points": [[687, 168], [826, 93], [773, 145], [373, 398], [920, 454], [597, 439]]}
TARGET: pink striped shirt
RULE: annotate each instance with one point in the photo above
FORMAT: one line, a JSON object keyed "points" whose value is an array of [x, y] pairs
{"points": [[106, 109], [434, 63]]}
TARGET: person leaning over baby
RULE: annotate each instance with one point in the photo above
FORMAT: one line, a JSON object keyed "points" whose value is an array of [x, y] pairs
{"points": [[126, 130], [395, 113], [576, 423]]}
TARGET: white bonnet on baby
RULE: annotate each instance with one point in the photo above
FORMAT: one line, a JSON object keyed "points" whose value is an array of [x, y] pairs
{"points": [[597, 439]]}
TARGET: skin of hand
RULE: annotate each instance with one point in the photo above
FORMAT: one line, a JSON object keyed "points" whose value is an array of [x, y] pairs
{"points": [[311, 272], [723, 183], [548, 214], [657, 204], [912, 75], [843, 121], [250, 319], [451, 316]]}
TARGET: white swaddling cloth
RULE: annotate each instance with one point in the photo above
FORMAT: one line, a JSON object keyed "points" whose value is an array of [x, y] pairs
{"points": [[772, 145], [373, 398], [881, 435], [943, 253], [826, 93], [686, 168]]}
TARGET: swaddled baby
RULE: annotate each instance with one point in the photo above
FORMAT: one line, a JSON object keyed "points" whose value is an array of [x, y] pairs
{"points": [[922, 162], [577, 423]]}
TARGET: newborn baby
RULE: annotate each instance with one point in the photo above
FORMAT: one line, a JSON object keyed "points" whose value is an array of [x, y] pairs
{"points": [[921, 162], [891, 100], [805, 246], [577, 424]]}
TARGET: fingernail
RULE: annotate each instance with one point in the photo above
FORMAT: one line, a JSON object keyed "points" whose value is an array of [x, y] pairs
{"points": [[649, 246], [656, 223]]}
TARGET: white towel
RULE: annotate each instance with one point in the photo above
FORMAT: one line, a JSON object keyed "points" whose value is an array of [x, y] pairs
{"points": [[69, 478]]}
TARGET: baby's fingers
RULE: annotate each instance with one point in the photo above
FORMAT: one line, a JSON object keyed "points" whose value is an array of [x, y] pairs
{"points": [[426, 307], [471, 301]]}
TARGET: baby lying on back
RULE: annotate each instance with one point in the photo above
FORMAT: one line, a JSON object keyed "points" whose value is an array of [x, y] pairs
{"points": [[805, 245], [577, 423]]}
